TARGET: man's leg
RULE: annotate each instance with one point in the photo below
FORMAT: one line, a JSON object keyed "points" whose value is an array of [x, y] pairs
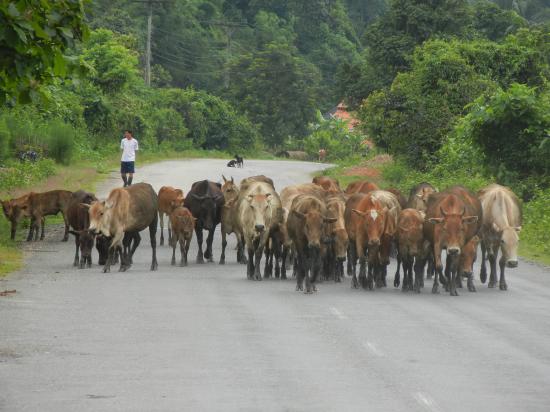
{"points": [[124, 179], [130, 177]]}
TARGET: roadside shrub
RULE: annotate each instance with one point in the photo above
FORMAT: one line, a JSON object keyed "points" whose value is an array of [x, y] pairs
{"points": [[536, 225], [4, 140], [19, 174], [61, 141], [335, 137]]}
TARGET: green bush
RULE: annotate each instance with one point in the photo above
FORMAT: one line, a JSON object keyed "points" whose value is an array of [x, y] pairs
{"points": [[4, 140], [17, 174], [61, 141], [536, 225]]}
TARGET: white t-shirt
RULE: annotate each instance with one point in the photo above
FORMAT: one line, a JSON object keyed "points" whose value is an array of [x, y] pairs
{"points": [[129, 148]]}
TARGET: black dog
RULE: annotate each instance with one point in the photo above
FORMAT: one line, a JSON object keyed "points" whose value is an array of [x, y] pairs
{"points": [[240, 161], [232, 163]]}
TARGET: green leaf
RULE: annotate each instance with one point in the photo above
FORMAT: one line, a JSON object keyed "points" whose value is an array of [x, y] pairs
{"points": [[12, 10], [59, 65]]}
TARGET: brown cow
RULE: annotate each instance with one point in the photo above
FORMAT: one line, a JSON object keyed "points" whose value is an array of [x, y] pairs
{"points": [[322, 155], [169, 199], [502, 217], [419, 194], [229, 219], [352, 222], [368, 232], [306, 226], [361, 186], [338, 246], [453, 217], [15, 210], [259, 213], [329, 184], [412, 249], [183, 224], [466, 264], [126, 210], [79, 220], [47, 204]]}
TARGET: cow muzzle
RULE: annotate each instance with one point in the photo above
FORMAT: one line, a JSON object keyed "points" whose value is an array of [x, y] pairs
{"points": [[512, 263], [453, 251], [374, 242], [259, 228]]}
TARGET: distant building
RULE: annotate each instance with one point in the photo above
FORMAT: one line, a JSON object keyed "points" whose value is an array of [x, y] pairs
{"points": [[340, 112]]}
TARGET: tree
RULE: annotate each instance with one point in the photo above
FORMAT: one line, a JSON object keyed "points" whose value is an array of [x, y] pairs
{"points": [[34, 37]]}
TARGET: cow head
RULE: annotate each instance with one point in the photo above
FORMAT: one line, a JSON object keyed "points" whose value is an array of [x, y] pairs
{"points": [[6, 208], [411, 230], [374, 221], [207, 213], [229, 189], [468, 257], [509, 240], [260, 204], [314, 226], [85, 244], [100, 213], [452, 229], [177, 202], [341, 241], [422, 196]]}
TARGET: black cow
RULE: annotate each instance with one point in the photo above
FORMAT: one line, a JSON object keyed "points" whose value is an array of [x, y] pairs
{"points": [[79, 220], [239, 160], [232, 163], [205, 201]]}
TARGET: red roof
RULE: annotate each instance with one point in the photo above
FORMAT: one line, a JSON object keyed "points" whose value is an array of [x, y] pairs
{"points": [[342, 114]]}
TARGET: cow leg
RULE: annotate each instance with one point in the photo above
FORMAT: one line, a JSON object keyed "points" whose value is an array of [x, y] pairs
{"points": [[431, 268], [397, 276], [77, 247], [110, 258], [502, 282], [208, 254], [483, 271], [42, 225], [250, 263], [125, 258], [186, 250], [268, 269], [470, 283], [452, 281], [493, 274], [284, 262], [136, 241], [13, 230], [66, 235], [161, 219], [169, 227], [244, 259], [174, 243], [438, 268], [153, 238], [276, 246], [224, 245], [258, 259], [301, 271], [418, 274], [348, 265], [198, 232]]}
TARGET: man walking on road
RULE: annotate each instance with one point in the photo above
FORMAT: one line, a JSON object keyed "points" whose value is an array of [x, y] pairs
{"points": [[129, 145]]}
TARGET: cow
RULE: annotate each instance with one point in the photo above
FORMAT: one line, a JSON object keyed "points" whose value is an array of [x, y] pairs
{"points": [[368, 233], [352, 222], [412, 249], [232, 163], [418, 196], [306, 226], [502, 220], [169, 199], [79, 220], [229, 221], [322, 155], [183, 224], [47, 204], [258, 210], [338, 246], [402, 199], [390, 202], [288, 194], [453, 217], [361, 186], [205, 201], [15, 210], [329, 184], [253, 179], [466, 264], [127, 210]]}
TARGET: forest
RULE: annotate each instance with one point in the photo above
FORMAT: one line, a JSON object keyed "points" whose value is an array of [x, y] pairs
{"points": [[455, 90]]}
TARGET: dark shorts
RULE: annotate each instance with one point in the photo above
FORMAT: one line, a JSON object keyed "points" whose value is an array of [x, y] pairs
{"points": [[127, 167]]}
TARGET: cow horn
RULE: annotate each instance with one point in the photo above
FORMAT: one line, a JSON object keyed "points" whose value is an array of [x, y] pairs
{"points": [[224, 179], [86, 205], [442, 211]]}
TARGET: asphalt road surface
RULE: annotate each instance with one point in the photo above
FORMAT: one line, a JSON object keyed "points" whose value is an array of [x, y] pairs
{"points": [[206, 338]]}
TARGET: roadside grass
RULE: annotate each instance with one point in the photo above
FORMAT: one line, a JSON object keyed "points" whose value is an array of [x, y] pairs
{"points": [[534, 237], [84, 173]]}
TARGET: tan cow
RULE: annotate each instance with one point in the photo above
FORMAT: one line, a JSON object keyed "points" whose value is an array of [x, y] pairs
{"points": [[127, 210], [502, 219], [229, 219], [183, 225], [419, 194], [353, 222], [169, 199], [413, 249], [329, 184], [259, 208], [338, 246]]}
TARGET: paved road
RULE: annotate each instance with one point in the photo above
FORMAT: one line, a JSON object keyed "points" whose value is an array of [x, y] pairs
{"points": [[205, 338]]}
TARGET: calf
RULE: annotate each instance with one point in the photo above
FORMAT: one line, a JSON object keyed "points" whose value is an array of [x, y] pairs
{"points": [[239, 160], [169, 198], [77, 215], [229, 219], [338, 245], [183, 224], [412, 249], [418, 196], [466, 264], [329, 184], [306, 226], [361, 186], [47, 204]]}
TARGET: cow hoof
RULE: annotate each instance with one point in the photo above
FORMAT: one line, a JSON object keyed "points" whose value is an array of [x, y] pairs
{"points": [[396, 283], [435, 289], [472, 288], [222, 262], [173, 263], [106, 270], [299, 288], [454, 293], [483, 277], [200, 261], [492, 284], [503, 286]]}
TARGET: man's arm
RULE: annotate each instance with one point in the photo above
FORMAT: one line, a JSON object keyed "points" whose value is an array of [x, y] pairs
{"points": [[137, 145]]}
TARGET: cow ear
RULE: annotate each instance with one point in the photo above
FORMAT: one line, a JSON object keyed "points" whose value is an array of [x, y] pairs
{"points": [[224, 179], [358, 212], [403, 229], [469, 219], [329, 219], [517, 229], [435, 220], [496, 227], [299, 214], [267, 194], [86, 205], [109, 204], [393, 210], [419, 195]]}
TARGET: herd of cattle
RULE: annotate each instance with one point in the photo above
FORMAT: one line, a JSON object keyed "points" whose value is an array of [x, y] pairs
{"points": [[315, 226]]}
